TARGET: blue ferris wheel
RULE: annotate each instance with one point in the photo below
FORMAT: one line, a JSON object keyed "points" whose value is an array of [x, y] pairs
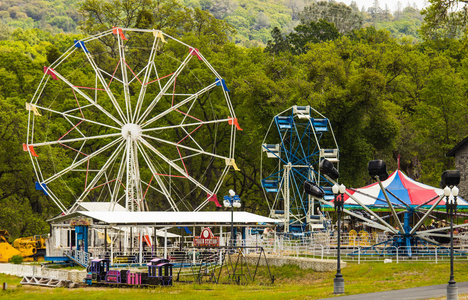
{"points": [[295, 143]]}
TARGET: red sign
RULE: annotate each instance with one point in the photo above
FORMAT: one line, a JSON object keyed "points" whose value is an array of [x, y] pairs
{"points": [[206, 239]]}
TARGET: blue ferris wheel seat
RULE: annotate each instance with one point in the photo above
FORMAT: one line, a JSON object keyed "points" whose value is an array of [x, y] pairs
{"points": [[320, 125], [270, 186], [284, 122]]}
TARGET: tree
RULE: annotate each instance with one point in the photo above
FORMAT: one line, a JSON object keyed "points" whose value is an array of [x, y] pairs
{"points": [[445, 19], [342, 16], [278, 44], [167, 15], [314, 32]]}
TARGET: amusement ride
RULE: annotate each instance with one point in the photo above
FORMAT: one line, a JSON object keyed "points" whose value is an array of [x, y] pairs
{"points": [[295, 143], [127, 113]]}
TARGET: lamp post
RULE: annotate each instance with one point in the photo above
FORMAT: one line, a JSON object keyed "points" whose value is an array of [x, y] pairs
{"points": [[232, 201], [451, 207], [450, 179], [338, 282], [327, 168]]}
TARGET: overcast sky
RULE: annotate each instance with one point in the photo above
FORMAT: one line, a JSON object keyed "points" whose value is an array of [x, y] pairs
{"points": [[392, 4]]}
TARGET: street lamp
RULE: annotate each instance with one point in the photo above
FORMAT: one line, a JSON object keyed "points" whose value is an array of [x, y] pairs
{"points": [[338, 282], [232, 201], [450, 179], [327, 168]]}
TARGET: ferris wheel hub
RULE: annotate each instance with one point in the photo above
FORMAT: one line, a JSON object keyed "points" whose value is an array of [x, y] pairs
{"points": [[131, 130]]}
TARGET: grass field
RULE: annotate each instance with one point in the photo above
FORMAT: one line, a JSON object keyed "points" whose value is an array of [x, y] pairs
{"points": [[290, 283]]}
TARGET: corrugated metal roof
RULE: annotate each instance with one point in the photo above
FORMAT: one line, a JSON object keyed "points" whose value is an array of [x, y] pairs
{"points": [[176, 218]]}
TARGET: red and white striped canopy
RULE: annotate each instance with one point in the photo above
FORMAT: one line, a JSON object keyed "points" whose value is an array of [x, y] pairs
{"points": [[400, 188]]}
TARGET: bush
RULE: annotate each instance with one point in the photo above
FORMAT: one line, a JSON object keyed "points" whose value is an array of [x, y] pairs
{"points": [[16, 259]]}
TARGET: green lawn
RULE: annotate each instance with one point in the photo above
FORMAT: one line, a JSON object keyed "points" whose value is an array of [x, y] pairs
{"points": [[290, 283]]}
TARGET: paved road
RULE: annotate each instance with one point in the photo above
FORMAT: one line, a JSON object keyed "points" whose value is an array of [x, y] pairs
{"points": [[424, 292]]}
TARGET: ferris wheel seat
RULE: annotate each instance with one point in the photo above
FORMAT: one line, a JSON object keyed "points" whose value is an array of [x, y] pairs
{"points": [[302, 112], [284, 122], [328, 193], [270, 186], [278, 213], [271, 150], [320, 125], [296, 229], [330, 154]]}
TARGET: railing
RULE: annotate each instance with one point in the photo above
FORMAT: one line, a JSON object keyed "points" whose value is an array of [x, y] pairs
{"points": [[80, 257], [356, 248]]}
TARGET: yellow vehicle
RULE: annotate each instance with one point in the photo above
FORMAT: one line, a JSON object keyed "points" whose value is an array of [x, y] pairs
{"points": [[6, 250], [32, 248]]}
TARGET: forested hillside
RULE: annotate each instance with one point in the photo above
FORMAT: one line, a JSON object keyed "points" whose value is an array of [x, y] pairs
{"points": [[253, 19], [385, 96]]}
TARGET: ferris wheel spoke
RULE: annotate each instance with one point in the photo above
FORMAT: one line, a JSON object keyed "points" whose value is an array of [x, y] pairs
{"points": [[123, 68], [146, 77], [73, 87], [77, 118], [118, 179], [105, 86], [57, 201], [133, 192], [185, 125], [157, 178], [148, 186], [111, 76], [168, 84], [82, 161], [215, 190], [185, 147], [74, 126], [189, 135], [98, 176], [175, 166], [176, 106], [76, 139]]}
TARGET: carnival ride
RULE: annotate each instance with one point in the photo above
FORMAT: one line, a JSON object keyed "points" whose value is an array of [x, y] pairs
{"points": [[399, 194], [295, 143], [159, 273], [129, 113]]}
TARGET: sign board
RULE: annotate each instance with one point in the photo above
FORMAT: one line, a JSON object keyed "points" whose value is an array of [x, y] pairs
{"points": [[206, 239], [81, 221]]}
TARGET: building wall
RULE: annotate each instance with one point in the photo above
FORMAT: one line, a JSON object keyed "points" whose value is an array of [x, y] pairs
{"points": [[461, 164]]}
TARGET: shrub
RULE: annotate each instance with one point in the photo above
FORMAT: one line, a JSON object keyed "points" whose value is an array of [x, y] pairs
{"points": [[16, 259]]}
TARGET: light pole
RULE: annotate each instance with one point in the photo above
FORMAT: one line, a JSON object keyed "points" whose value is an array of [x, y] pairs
{"points": [[450, 179], [338, 282], [232, 201], [327, 168]]}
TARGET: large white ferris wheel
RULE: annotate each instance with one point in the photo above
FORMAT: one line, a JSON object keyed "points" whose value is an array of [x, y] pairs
{"points": [[129, 113]]}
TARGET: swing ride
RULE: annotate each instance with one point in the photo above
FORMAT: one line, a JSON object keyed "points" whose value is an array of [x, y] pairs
{"points": [[398, 192]]}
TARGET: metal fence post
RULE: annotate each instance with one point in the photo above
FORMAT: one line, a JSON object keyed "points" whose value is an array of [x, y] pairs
{"points": [[359, 256], [397, 252]]}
